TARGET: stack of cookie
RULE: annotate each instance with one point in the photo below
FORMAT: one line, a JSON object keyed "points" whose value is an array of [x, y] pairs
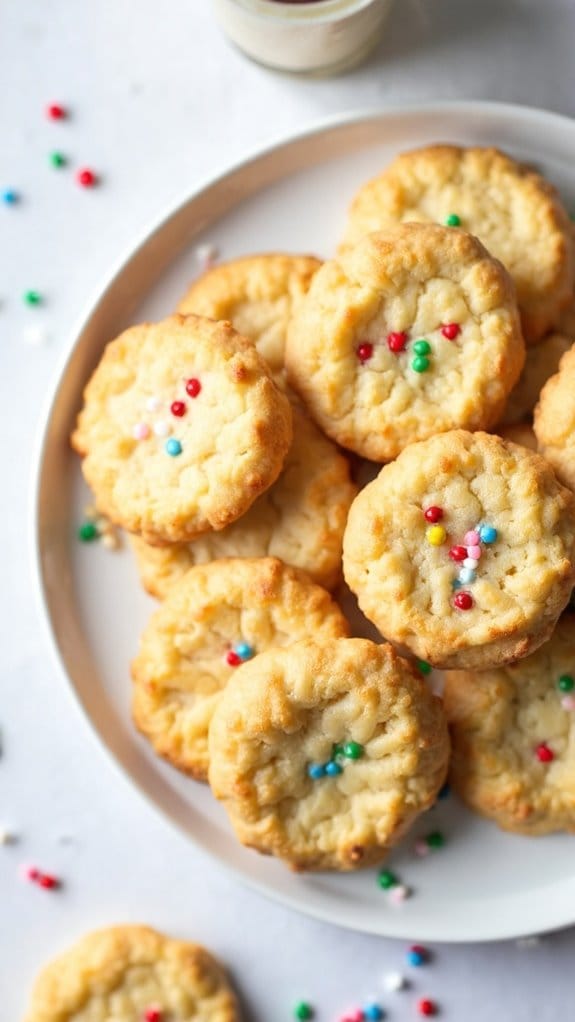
{"points": [[217, 438]]}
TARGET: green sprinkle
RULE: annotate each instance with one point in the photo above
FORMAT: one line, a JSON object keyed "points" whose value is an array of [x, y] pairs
{"points": [[387, 879], [337, 750], [566, 683], [422, 347], [420, 364], [87, 532], [32, 297], [353, 750], [303, 1010], [435, 839], [453, 220], [58, 159], [424, 667]]}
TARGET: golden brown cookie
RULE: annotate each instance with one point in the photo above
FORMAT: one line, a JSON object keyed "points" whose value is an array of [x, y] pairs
{"points": [[300, 519], [257, 294], [216, 617], [410, 333], [182, 428], [463, 550], [133, 974], [513, 734], [540, 363], [323, 754], [554, 421], [515, 212]]}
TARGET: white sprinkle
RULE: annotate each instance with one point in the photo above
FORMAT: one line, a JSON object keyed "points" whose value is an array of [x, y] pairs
{"points": [[153, 404], [162, 429], [470, 562], [394, 981], [399, 893], [206, 255], [35, 335]]}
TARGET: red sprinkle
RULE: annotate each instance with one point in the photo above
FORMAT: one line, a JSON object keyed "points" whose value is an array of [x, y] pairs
{"points": [[55, 112], [193, 387], [86, 178], [463, 601], [433, 514], [396, 340], [178, 408], [458, 553], [365, 351], [426, 1007], [451, 330], [233, 659], [45, 880], [153, 1015], [544, 753]]}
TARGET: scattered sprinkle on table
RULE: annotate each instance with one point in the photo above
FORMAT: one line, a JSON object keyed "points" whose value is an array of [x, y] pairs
{"points": [[10, 197], [56, 112], [426, 1007], [35, 335], [303, 1011], [417, 955], [36, 876], [394, 982], [86, 177], [32, 297], [435, 839], [57, 160]]}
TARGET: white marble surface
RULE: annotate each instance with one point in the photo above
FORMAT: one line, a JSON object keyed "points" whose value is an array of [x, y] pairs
{"points": [[159, 102]]}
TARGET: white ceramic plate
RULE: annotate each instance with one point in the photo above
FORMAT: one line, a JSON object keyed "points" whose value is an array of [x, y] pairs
{"points": [[483, 885]]}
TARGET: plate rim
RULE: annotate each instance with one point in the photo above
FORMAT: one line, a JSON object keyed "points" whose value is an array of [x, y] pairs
{"points": [[506, 930]]}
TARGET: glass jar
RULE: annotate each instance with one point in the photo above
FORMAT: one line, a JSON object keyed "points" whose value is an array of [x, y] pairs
{"points": [[318, 37]]}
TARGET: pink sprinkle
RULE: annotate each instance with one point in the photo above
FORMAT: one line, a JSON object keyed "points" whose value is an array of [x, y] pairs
{"points": [[472, 538], [474, 552], [421, 848], [568, 702], [399, 893], [141, 431]]}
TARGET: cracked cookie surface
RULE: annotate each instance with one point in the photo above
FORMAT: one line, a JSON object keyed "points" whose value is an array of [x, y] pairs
{"points": [[183, 665], [516, 213], [412, 332], [513, 737], [257, 294], [118, 974], [410, 585], [300, 519], [290, 709], [182, 428]]}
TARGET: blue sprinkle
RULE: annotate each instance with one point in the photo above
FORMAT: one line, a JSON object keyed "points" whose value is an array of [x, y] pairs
{"points": [[315, 771], [456, 584], [173, 447], [373, 1012], [415, 958], [444, 792], [467, 575], [487, 533], [244, 650], [332, 769], [10, 197]]}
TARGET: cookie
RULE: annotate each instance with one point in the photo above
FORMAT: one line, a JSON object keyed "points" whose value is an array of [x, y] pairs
{"points": [[214, 618], [129, 973], [182, 428], [300, 519], [410, 333], [513, 733], [541, 362], [324, 753], [463, 550], [257, 294], [554, 421], [520, 433], [515, 212]]}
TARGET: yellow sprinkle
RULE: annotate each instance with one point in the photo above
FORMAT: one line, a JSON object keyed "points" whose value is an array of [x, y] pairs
{"points": [[436, 535]]}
